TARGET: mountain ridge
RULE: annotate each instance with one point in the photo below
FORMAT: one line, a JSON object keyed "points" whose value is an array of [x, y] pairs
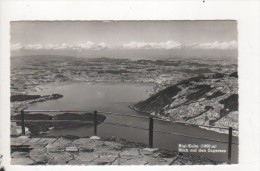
{"points": [[208, 99]]}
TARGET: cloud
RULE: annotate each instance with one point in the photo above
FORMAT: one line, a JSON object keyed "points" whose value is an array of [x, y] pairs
{"points": [[61, 46], [16, 46], [217, 45], [152, 45], [176, 45], [89, 45]]}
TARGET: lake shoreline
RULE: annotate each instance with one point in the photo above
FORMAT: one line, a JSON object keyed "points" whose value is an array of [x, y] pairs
{"points": [[218, 130]]}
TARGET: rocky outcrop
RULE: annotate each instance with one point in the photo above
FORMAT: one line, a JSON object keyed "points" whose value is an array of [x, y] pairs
{"points": [[209, 99]]}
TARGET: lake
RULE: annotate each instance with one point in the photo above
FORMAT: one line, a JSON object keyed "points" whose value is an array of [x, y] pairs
{"points": [[116, 97]]}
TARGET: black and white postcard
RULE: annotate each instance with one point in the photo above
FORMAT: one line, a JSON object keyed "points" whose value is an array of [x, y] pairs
{"points": [[121, 92]]}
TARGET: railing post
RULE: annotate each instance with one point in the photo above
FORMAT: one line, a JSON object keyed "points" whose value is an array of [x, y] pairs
{"points": [[22, 122], [95, 123], [229, 144], [151, 132]]}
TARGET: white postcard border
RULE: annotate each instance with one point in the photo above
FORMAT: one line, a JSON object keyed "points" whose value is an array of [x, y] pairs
{"points": [[245, 12]]}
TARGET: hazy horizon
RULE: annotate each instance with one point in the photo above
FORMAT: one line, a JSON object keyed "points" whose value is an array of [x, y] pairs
{"points": [[135, 54], [125, 39]]}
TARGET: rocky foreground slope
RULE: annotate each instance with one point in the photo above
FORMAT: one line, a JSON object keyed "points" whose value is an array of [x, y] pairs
{"points": [[209, 99], [89, 151]]}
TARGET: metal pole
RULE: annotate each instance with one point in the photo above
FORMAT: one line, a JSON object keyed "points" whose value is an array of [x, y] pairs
{"points": [[22, 122], [229, 144], [95, 123], [151, 132]]}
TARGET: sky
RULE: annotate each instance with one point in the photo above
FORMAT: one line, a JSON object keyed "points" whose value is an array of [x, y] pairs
{"points": [[100, 35], [118, 34]]}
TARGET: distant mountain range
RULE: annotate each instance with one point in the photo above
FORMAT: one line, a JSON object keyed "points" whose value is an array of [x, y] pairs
{"points": [[135, 54]]}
